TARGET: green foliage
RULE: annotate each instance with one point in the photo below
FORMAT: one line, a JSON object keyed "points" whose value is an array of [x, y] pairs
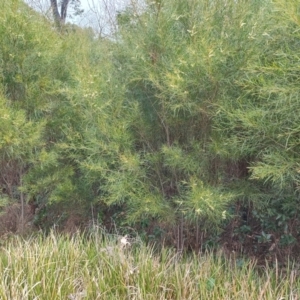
{"points": [[206, 202], [181, 69], [18, 136], [193, 105], [263, 124]]}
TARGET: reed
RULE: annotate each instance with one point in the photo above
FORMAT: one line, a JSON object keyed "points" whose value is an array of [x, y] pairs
{"points": [[99, 266]]}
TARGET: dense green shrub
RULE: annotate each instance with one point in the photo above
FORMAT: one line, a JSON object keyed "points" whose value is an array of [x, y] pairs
{"points": [[181, 62], [189, 109]]}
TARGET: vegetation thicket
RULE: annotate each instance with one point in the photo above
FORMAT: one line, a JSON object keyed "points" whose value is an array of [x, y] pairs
{"points": [[183, 123]]}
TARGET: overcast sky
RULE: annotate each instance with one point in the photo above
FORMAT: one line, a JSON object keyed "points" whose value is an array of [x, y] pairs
{"points": [[84, 3], [98, 14]]}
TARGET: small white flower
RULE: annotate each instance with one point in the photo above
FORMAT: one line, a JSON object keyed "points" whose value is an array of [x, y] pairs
{"points": [[134, 271], [198, 211], [124, 241]]}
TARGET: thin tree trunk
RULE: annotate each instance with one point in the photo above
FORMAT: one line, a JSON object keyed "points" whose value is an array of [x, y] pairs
{"points": [[60, 19], [180, 240], [55, 12], [181, 233], [22, 202], [197, 236], [93, 219], [63, 13], [178, 237]]}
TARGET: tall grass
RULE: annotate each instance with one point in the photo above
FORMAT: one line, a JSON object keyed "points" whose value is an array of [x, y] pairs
{"points": [[96, 267]]}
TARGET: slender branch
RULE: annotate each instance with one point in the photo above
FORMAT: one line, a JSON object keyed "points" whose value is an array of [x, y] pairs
{"points": [[22, 201]]}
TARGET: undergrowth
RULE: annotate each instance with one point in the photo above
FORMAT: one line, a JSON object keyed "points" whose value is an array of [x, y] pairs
{"points": [[101, 266]]}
